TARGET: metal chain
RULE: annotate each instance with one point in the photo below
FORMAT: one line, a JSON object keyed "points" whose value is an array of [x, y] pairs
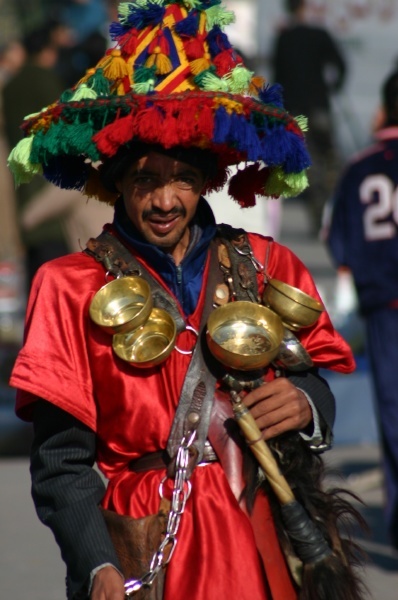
{"points": [[181, 491]]}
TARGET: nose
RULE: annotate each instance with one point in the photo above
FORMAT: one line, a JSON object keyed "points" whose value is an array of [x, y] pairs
{"points": [[164, 197]]}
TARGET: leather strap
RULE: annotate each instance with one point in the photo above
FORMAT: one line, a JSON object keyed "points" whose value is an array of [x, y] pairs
{"points": [[197, 394], [160, 460], [106, 248]]}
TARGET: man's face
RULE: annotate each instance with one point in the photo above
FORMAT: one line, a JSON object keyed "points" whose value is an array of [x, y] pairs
{"points": [[161, 195]]}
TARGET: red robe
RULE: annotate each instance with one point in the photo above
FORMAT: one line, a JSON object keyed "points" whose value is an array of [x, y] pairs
{"points": [[67, 360]]}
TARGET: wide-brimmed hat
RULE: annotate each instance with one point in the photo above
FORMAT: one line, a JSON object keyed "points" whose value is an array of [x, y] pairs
{"points": [[171, 79]]}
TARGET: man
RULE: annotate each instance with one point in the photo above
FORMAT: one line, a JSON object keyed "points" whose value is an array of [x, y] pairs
{"points": [[309, 65], [151, 128], [362, 237]]}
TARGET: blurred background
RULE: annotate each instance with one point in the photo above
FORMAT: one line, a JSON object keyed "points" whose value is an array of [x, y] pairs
{"points": [[76, 31]]}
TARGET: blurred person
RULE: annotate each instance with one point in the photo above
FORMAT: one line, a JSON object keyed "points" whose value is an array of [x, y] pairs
{"points": [[49, 220], [309, 65], [362, 237], [84, 38], [33, 87]]}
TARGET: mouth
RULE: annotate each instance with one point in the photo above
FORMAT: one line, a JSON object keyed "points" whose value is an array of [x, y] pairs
{"points": [[163, 225]]}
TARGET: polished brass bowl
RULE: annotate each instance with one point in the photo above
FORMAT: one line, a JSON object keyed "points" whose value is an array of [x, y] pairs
{"points": [[243, 335], [122, 305], [151, 343], [296, 308]]}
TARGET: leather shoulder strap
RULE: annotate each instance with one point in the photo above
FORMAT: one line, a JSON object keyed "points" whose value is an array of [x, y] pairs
{"points": [[116, 258]]}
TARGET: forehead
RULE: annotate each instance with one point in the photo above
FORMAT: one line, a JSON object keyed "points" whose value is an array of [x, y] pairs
{"points": [[155, 162]]}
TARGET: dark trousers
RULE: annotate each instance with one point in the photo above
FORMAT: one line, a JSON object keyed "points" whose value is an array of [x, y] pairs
{"points": [[382, 339]]}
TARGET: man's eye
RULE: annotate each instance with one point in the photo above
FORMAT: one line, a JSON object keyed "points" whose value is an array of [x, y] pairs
{"points": [[144, 181], [186, 180]]}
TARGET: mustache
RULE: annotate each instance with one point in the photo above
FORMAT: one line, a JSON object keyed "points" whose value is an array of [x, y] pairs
{"points": [[157, 212]]}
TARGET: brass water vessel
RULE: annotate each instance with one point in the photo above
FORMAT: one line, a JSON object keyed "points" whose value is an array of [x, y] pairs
{"points": [[122, 305], [151, 343], [296, 308], [243, 335]]}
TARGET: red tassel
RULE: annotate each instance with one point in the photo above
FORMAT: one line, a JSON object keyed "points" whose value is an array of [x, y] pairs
{"points": [[128, 43], [115, 135], [205, 122], [194, 47], [226, 61], [149, 124], [246, 184], [218, 182]]}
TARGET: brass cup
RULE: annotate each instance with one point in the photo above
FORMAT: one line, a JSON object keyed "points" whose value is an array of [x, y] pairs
{"points": [[296, 308], [122, 305], [151, 343], [243, 335]]}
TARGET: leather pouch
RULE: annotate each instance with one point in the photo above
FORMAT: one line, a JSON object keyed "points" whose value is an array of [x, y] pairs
{"points": [[135, 542]]}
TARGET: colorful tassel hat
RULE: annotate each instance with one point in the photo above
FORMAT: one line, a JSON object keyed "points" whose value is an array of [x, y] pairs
{"points": [[172, 79]]}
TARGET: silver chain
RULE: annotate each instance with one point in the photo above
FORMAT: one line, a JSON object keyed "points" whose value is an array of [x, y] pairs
{"points": [[181, 491]]}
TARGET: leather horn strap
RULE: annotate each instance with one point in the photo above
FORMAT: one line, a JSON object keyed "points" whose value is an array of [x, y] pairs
{"points": [[197, 394], [106, 248]]}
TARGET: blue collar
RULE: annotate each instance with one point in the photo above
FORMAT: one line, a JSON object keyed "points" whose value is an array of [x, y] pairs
{"points": [[185, 281]]}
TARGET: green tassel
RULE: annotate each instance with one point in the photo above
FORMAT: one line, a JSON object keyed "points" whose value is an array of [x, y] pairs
{"points": [[302, 122], [297, 183], [144, 87], [83, 92], [280, 184], [99, 83], [77, 139], [124, 12], [143, 74], [19, 163], [190, 4], [66, 96], [209, 82], [238, 79], [144, 80], [217, 15], [48, 144]]}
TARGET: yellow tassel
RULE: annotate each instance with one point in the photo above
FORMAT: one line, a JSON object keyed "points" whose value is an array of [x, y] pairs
{"points": [[229, 105], [160, 61], [199, 65], [115, 67], [256, 83]]}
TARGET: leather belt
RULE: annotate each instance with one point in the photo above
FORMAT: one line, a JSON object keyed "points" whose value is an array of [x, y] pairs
{"points": [[161, 459]]}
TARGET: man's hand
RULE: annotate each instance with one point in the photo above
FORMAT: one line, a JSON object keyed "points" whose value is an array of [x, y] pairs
{"points": [[108, 585], [278, 406]]}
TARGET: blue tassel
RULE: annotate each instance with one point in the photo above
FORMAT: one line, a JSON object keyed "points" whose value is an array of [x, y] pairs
{"points": [[217, 41], [152, 14], [252, 143], [117, 30], [67, 172], [244, 137], [189, 26], [222, 125], [281, 147], [275, 146], [298, 158], [272, 94]]}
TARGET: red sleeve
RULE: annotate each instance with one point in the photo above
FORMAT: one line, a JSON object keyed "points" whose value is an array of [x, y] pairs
{"points": [[325, 345], [53, 363]]}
